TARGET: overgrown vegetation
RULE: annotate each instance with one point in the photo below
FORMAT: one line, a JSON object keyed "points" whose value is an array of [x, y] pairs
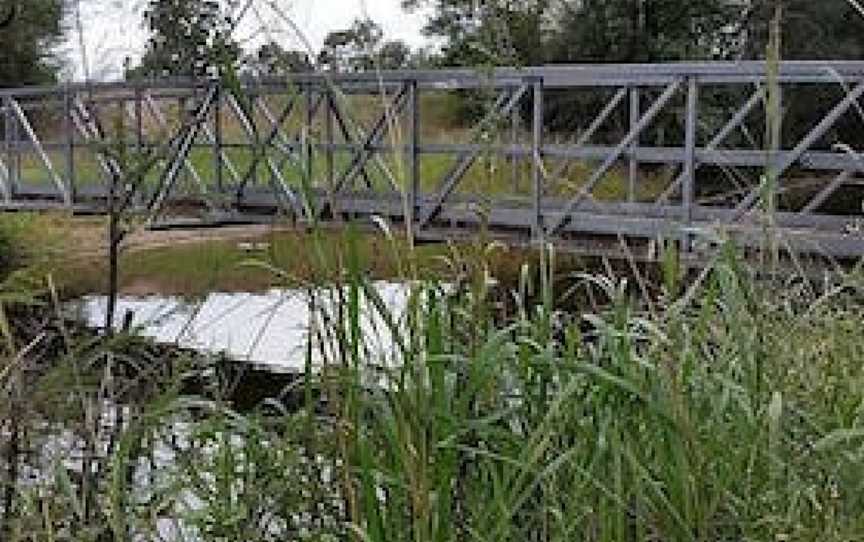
{"points": [[727, 407], [723, 403], [29, 41]]}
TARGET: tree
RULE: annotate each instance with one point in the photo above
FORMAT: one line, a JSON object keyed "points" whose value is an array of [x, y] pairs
{"points": [[493, 32], [834, 30], [394, 55], [352, 49], [189, 38], [29, 41], [646, 30], [524, 32], [272, 59]]}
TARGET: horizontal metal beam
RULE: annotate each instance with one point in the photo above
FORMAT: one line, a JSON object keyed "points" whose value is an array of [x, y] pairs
{"points": [[554, 76]]}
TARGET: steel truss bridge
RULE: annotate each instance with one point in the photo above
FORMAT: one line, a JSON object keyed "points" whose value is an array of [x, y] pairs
{"points": [[584, 156]]}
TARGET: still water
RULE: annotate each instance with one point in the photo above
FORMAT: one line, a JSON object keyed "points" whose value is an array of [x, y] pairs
{"points": [[268, 329]]}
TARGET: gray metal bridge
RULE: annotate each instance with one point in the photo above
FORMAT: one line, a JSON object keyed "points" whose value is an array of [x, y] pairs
{"points": [[578, 155]]}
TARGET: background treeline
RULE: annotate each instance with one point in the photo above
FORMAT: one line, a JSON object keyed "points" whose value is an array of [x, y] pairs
{"points": [[194, 38], [188, 38]]}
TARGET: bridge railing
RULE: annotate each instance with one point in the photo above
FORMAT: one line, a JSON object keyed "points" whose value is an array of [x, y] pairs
{"points": [[559, 152]]}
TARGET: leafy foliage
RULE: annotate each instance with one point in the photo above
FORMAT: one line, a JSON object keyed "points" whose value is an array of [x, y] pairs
{"points": [[28, 43], [834, 30], [362, 48], [272, 59], [192, 39]]}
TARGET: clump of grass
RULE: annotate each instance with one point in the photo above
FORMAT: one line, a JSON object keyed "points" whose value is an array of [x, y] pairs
{"points": [[728, 410], [705, 421]]}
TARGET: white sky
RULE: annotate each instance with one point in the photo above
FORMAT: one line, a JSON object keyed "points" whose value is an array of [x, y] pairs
{"points": [[113, 28]]}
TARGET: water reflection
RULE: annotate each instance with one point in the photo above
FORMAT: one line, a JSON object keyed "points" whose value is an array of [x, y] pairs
{"points": [[269, 329]]}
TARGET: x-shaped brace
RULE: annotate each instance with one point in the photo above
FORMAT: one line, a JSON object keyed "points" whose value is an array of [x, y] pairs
{"points": [[366, 152], [285, 143], [186, 139], [261, 153], [619, 151], [507, 100], [806, 143]]}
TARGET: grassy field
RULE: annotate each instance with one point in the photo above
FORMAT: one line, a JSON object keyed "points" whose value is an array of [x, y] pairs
{"points": [[492, 174]]}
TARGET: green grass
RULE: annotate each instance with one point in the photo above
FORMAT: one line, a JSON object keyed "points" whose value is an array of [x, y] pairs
{"points": [[726, 408], [491, 176]]}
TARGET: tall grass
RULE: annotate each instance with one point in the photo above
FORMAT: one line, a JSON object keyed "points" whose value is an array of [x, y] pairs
{"points": [[730, 411], [728, 407]]}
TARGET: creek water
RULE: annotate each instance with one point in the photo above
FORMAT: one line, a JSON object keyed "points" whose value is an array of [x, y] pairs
{"points": [[269, 329]]}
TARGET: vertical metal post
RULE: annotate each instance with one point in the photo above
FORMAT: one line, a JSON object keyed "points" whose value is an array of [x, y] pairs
{"points": [[310, 113], [70, 141], [514, 140], [688, 191], [217, 138], [329, 166], [414, 159], [139, 119], [6, 149], [8, 132], [253, 138], [183, 116], [537, 158], [15, 162], [330, 137], [635, 115], [139, 141]]}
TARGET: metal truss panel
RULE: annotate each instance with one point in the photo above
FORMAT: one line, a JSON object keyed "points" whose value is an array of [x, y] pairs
{"points": [[707, 152]]}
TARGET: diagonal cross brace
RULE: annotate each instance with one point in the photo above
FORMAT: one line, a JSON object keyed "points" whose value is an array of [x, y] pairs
{"points": [[586, 136], [502, 106], [160, 118], [90, 130], [285, 144], [346, 133], [229, 164], [619, 151], [275, 174], [365, 153], [809, 140], [734, 123], [168, 180], [40, 150], [827, 192]]}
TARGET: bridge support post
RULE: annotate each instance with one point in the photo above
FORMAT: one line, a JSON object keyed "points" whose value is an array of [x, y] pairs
{"points": [[329, 136], [414, 158], [537, 159], [13, 153], [69, 135], [514, 142], [6, 186], [688, 192], [635, 115], [217, 138], [308, 147]]}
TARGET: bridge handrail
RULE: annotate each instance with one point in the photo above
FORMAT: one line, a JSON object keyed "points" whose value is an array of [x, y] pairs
{"points": [[553, 76]]}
